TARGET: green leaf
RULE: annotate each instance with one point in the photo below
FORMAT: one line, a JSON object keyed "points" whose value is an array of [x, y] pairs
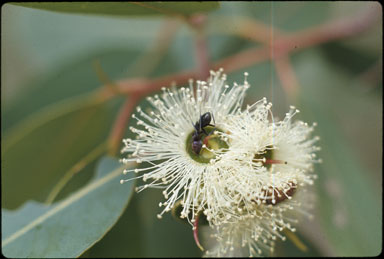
{"points": [[349, 208], [287, 17], [139, 233], [42, 148], [69, 227], [126, 8], [296, 246], [173, 238], [58, 108], [125, 238], [69, 78]]}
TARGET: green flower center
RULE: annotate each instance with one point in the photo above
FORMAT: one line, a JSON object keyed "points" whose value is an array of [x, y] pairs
{"points": [[208, 142], [267, 154]]}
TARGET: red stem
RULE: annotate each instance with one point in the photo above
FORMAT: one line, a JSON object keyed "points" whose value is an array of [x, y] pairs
{"points": [[120, 125], [334, 30], [287, 76], [282, 45], [202, 55], [196, 233]]}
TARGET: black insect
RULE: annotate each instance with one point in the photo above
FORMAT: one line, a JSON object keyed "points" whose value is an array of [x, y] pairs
{"points": [[204, 121]]}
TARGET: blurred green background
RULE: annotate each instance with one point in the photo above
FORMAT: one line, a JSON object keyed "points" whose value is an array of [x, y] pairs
{"points": [[54, 132]]}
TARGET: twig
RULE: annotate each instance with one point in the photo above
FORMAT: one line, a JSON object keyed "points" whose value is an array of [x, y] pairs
{"points": [[120, 124], [338, 29], [202, 57], [282, 46], [103, 77], [287, 77], [196, 233], [144, 86]]}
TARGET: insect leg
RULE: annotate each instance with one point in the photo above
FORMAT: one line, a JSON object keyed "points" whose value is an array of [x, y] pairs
{"points": [[214, 124]]}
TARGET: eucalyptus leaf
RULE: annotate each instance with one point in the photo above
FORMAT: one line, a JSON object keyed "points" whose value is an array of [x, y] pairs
{"points": [[41, 149], [56, 122], [165, 237], [350, 210], [295, 245], [125, 238], [282, 15], [139, 233], [67, 228], [73, 76], [126, 8]]}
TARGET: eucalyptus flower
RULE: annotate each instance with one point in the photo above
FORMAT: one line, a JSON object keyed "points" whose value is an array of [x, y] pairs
{"points": [[165, 137], [266, 162], [269, 192], [275, 157], [245, 171], [255, 231]]}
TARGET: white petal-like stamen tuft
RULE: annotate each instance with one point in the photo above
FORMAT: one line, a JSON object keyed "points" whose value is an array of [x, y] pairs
{"points": [[250, 188], [162, 136]]}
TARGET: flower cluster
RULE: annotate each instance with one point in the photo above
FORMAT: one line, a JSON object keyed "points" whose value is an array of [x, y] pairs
{"points": [[241, 169]]}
